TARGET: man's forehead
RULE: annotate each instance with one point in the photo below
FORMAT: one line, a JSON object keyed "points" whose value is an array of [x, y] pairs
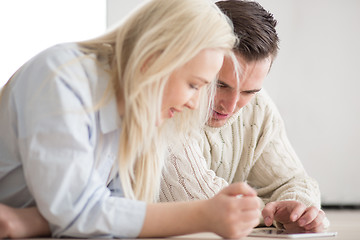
{"points": [[250, 74]]}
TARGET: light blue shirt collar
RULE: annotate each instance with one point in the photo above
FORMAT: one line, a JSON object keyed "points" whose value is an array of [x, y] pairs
{"points": [[109, 117]]}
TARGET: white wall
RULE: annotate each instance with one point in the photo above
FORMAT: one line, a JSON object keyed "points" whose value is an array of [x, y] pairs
{"points": [[28, 27], [315, 83], [117, 9]]}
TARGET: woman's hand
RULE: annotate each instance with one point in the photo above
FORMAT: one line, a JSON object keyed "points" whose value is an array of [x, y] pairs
{"points": [[234, 211]]}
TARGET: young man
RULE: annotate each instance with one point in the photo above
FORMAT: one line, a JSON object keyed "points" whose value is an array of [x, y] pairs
{"points": [[245, 140]]}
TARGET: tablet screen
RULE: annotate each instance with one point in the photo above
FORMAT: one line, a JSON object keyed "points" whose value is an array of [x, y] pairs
{"points": [[275, 233]]}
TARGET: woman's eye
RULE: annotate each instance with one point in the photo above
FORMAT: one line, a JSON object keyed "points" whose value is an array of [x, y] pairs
{"points": [[196, 87]]}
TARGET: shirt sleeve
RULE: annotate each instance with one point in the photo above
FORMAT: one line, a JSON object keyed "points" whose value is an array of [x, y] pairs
{"points": [[57, 138], [186, 176]]}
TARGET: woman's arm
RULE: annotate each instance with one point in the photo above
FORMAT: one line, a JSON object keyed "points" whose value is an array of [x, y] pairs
{"points": [[227, 215], [22, 223]]}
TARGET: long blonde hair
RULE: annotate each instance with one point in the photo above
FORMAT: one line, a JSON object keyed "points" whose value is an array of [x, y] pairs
{"points": [[143, 50]]}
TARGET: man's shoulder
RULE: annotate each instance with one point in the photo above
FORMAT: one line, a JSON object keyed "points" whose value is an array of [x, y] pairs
{"points": [[261, 102], [259, 110], [261, 98]]}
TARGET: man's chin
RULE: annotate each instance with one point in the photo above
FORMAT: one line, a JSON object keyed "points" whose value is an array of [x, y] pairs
{"points": [[215, 123]]}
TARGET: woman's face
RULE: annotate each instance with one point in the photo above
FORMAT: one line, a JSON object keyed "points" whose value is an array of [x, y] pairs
{"points": [[184, 84]]}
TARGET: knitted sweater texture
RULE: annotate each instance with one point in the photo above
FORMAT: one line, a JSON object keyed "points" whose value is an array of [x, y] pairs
{"points": [[253, 147]]}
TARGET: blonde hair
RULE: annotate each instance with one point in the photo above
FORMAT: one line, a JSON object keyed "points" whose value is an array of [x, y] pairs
{"points": [[143, 50]]}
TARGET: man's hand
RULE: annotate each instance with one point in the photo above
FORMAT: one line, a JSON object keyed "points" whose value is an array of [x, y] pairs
{"points": [[295, 216]]}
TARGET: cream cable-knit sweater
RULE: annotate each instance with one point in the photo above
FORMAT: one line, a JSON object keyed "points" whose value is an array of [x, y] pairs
{"points": [[252, 146]]}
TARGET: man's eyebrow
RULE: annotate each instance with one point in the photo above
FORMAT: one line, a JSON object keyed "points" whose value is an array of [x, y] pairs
{"points": [[223, 83], [252, 90]]}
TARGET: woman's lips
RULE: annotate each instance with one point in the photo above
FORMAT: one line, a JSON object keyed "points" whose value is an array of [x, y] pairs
{"points": [[172, 112], [219, 116]]}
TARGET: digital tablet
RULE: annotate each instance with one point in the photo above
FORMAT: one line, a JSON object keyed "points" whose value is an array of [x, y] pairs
{"points": [[276, 233]]}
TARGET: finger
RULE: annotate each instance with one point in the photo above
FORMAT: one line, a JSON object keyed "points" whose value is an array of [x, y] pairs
{"points": [[308, 216], [240, 188], [319, 228], [248, 203], [297, 212], [268, 213], [293, 228], [249, 220], [249, 216], [317, 224]]}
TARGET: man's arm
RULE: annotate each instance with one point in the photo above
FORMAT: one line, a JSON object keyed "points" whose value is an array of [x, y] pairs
{"points": [[265, 159], [279, 176], [186, 176]]}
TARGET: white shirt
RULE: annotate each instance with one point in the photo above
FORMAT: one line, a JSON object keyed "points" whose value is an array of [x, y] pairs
{"points": [[57, 150]]}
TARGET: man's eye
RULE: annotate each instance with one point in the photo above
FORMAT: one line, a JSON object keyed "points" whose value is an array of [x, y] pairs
{"points": [[220, 85], [248, 93]]}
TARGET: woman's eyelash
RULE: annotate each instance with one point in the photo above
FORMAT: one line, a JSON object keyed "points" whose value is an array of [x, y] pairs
{"points": [[194, 86]]}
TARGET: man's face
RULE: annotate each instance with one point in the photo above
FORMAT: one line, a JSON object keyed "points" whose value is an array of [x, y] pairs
{"points": [[232, 96]]}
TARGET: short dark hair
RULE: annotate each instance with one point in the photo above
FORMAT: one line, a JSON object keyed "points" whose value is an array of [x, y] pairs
{"points": [[255, 28]]}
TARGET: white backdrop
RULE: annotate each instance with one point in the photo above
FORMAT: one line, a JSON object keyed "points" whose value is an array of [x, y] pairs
{"points": [[315, 82], [28, 27]]}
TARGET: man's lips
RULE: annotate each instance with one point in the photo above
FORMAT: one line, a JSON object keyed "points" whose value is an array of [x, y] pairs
{"points": [[219, 116]]}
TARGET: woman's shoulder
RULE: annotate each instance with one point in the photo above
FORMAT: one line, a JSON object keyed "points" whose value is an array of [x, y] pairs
{"points": [[65, 61], [58, 54], [49, 60], [63, 67]]}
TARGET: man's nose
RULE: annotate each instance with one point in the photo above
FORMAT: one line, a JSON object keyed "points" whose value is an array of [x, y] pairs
{"points": [[230, 101]]}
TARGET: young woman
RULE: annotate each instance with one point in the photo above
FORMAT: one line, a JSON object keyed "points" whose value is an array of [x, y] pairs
{"points": [[82, 129]]}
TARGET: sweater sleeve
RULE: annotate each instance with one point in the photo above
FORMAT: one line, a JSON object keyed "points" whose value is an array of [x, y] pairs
{"points": [[277, 173], [186, 176]]}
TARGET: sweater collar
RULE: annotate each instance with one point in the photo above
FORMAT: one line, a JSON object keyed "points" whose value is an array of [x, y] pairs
{"points": [[229, 122]]}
